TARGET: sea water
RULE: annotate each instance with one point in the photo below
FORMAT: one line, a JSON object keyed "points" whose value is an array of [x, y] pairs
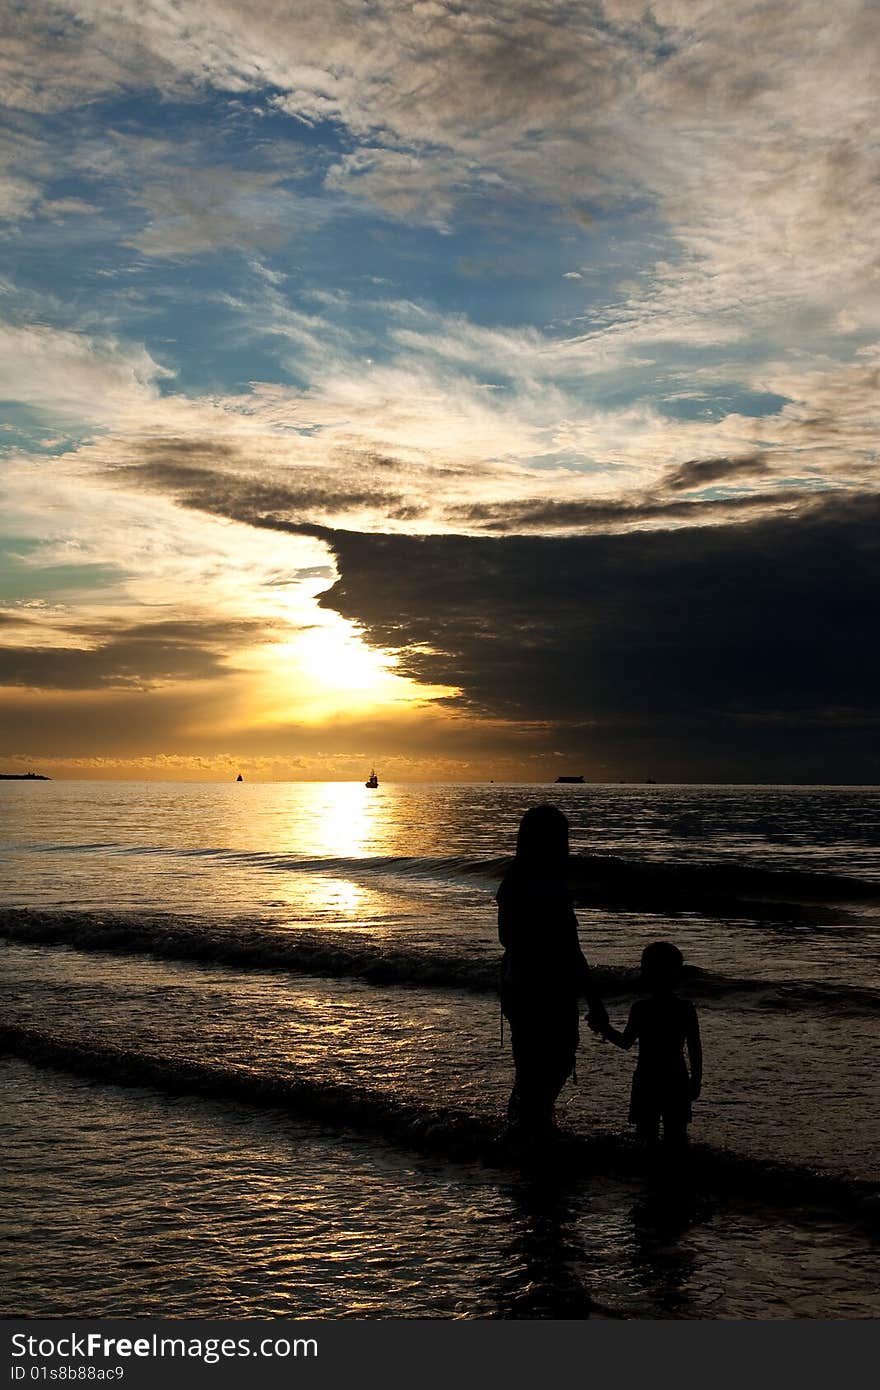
{"points": [[242, 1022]]}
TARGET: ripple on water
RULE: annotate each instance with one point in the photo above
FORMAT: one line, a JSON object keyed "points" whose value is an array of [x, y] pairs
{"points": [[132, 1203]]}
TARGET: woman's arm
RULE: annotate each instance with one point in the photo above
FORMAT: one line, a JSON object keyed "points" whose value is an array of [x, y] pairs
{"points": [[597, 1016], [506, 920], [694, 1045]]}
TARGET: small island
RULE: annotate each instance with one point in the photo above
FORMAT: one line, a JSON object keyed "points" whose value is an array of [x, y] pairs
{"points": [[569, 779], [23, 777]]}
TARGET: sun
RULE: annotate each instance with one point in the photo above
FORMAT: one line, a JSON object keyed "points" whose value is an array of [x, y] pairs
{"points": [[336, 659], [326, 670]]}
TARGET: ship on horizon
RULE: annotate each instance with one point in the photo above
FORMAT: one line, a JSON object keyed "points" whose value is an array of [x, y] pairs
{"points": [[372, 780]]}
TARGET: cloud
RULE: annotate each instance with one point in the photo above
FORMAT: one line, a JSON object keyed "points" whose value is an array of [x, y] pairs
{"points": [[745, 127], [744, 133], [243, 498], [710, 169], [12, 618], [697, 473], [717, 645], [24, 166], [18, 196], [136, 657], [545, 516], [305, 486], [463, 427], [71, 723], [194, 211], [75, 377], [67, 207], [425, 187]]}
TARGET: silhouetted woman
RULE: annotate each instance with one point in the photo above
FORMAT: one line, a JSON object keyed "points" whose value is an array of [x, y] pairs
{"points": [[544, 971]]}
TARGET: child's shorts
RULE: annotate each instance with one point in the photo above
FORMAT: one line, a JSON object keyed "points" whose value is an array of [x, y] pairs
{"points": [[652, 1099]]}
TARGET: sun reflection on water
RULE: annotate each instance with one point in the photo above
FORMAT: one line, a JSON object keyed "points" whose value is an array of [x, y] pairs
{"points": [[341, 822], [345, 819]]}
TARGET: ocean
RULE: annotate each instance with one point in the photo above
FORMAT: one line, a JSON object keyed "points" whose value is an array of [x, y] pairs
{"points": [[253, 1063]]}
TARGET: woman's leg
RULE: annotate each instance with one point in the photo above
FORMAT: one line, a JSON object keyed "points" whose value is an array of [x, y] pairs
{"points": [[541, 1075], [544, 1049], [648, 1129], [529, 1107], [514, 1105], [675, 1132]]}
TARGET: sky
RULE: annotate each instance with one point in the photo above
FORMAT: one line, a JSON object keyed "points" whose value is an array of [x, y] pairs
{"points": [[478, 390]]}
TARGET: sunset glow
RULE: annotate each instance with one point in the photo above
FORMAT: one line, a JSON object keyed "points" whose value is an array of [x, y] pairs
{"points": [[435, 386]]}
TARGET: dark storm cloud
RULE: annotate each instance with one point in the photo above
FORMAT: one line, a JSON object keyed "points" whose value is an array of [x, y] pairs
{"points": [[541, 514], [243, 499], [124, 658], [702, 472], [201, 632], [187, 471], [743, 648], [754, 642]]}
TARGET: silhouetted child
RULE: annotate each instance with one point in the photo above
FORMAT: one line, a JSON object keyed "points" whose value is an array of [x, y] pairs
{"points": [[663, 1025]]}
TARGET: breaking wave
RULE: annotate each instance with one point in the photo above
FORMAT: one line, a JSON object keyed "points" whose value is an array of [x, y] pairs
{"points": [[245, 946]]}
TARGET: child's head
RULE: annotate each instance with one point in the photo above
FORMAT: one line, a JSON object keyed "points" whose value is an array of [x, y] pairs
{"points": [[662, 964]]}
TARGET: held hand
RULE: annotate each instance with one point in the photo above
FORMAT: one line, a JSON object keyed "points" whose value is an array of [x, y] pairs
{"points": [[597, 1018]]}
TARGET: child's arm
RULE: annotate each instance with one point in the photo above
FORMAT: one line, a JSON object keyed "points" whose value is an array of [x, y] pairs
{"points": [[629, 1034], [695, 1052]]}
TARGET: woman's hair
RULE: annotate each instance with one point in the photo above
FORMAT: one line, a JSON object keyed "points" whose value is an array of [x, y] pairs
{"points": [[662, 963], [542, 840]]}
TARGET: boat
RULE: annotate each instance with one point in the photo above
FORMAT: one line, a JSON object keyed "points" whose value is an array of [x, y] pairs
{"points": [[569, 779], [239, 778], [372, 780]]}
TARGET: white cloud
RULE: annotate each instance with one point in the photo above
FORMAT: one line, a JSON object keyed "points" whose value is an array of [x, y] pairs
{"points": [[750, 133], [74, 377], [67, 207], [752, 130]]}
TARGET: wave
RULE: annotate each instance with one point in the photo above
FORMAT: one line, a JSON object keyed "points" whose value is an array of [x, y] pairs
{"points": [[452, 1133], [441, 867], [713, 887], [244, 946]]}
